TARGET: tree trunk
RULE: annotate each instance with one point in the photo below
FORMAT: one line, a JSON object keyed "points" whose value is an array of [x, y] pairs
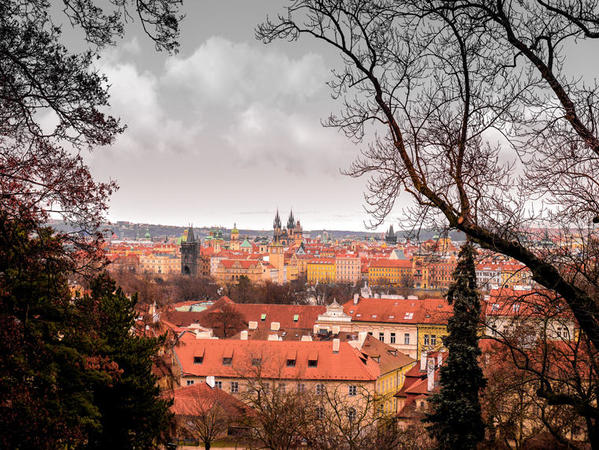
{"points": [[593, 432], [207, 445]]}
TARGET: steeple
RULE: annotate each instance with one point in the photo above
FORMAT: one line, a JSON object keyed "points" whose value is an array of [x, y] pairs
{"points": [[190, 236], [277, 222], [291, 221]]}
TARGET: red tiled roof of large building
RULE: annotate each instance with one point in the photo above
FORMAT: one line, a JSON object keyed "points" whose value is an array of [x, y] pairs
{"points": [[288, 316], [435, 311], [241, 263], [270, 359], [389, 358], [399, 310], [401, 263], [525, 302]]}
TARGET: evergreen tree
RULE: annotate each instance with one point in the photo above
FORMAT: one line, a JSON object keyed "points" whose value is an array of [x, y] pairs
{"points": [[73, 374], [132, 413], [46, 396], [456, 420]]}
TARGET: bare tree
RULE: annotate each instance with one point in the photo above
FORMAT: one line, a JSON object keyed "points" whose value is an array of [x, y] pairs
{"points": [[471, 112], [211, 414]]}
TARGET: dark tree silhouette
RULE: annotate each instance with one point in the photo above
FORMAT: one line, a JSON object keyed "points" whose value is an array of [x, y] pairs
{"points": [[456, 418]]}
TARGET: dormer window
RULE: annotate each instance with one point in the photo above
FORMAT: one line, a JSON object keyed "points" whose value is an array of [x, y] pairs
{"points": [[516, 307], [291, 363], [228, 357], [495, 307], [198, 359], [409, 316]]}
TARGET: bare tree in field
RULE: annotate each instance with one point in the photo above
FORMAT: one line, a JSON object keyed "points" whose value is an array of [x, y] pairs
{"points": [[471, 114]]}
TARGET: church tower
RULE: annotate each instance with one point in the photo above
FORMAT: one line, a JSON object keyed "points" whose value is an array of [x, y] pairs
{"points": [[276, 225], [290, 226], [190, 252], [391, 237]]}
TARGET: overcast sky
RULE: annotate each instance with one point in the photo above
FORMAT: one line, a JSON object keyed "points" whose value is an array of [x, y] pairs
{"points": [[227, 130]]}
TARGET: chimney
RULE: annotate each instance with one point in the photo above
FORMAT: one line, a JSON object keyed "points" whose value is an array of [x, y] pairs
{"points": [[336, 344], [430, 374], [210, 381], [273, 337], [422, 361], [274, 326], [336, 329], [306, 339], [315, 329], [362, 337], [244, 335], [356, 298], [253, 325]]}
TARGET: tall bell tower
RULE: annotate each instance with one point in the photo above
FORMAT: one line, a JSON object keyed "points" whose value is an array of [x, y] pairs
{"points": [[190, 253]]}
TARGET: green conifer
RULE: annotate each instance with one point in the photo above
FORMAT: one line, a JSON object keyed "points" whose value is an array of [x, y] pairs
{"points": [[456, 420]]}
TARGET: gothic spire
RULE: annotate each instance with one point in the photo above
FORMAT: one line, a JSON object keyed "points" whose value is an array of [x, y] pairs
{"points": [[190, 236], [291, 221], [277, 221]]}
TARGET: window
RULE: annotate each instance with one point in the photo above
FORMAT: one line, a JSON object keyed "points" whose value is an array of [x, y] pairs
{"points": [[382, 337], [301, 387], [227, 361], [218, 384], [433, 339], [320, 389], [263, 317], [234, 387], [409, 316], [370, 333], [392, 338], [256, 361], [291, 363], [198, 359], [406, 338], [320, 413], [352, 390], [282, 387], [190, 382], [312, 363], [295, 317], [426, 339], [351, 414]]}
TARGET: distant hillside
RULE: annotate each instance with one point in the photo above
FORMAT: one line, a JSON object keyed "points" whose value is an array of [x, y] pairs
{"points": [[130, 230]]}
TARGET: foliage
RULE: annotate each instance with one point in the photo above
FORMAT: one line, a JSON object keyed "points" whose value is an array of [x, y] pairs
{"points": [[133, 415], [70, 365], [456, 420], [44, 82]]}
